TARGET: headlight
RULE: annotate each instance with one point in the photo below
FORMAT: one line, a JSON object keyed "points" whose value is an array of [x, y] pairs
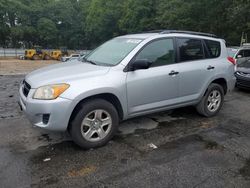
{"points": [[50, 91]]}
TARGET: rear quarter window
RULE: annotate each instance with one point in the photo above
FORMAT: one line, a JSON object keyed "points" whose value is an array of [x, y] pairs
{"points": [[214, 48], [190, 49]]}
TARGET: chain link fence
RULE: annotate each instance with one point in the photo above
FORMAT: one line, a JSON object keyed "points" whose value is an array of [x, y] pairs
{"points": [[11, 52]]}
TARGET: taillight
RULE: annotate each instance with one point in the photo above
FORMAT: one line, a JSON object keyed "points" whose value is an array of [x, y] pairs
{"points": [[231, 60]]}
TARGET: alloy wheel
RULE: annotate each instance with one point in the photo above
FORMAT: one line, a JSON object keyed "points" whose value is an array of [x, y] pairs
{"points": [[96, 125]]}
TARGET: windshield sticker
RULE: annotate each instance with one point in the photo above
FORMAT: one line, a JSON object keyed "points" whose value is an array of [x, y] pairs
{"points": [[134, 41]]}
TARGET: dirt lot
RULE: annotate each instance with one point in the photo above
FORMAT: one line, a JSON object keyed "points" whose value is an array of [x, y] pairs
{"points": [[192, 151], [16, 66]]}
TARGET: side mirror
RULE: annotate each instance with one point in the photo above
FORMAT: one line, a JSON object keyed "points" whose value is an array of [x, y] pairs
{"points": [[139, 64], [239, 56]]}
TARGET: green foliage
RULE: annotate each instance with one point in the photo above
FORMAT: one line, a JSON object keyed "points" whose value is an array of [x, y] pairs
{"points": [[47, 31], [102, 19], [86, 23], [138, 15]]}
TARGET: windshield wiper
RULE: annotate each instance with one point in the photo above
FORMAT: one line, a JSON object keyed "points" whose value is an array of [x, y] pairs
{"points": [[89, 61]]}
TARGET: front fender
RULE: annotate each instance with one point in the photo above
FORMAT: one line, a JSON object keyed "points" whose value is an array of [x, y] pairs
{"points": [[96, 92], [85, 88]]}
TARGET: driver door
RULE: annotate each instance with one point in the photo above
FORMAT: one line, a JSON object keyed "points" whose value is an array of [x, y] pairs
{"points": [[157, 86]]}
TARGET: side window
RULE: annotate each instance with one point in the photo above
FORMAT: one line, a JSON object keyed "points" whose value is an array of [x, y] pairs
{"points": [[241, 52], [160, 52], [190, 49], [246, 53], [214, 48]]}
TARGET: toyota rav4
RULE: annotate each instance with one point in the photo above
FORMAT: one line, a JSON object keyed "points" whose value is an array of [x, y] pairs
{"points": [[129, 76]]}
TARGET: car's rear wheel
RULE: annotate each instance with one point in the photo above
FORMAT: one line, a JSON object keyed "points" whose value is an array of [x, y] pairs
{"points": [[94, 124], [212, 101]]}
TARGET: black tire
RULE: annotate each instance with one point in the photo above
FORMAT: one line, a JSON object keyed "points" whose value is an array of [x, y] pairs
{"points": [[36, 57], [47, 57], [202, 107], [87, 107]]}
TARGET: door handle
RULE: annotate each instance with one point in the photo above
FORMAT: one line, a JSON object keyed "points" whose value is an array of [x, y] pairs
{"points": [[172, 73], [210, 67]]}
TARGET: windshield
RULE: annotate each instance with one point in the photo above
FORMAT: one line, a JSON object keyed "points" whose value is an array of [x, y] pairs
{"points": [[112, 52]]}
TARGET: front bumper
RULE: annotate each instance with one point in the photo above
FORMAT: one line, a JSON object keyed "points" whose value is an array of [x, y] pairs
{"points": [[242, 81], [48, 114]]}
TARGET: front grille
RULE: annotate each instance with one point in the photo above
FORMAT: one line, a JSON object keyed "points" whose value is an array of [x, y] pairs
{"points": [[243, 74], [26, 88]]}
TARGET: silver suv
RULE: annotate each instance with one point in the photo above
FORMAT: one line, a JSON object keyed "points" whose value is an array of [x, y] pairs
{"points": [[129, 76]]}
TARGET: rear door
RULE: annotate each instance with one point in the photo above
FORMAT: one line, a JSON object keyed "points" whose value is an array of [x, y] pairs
{"points": [[195, 67]]}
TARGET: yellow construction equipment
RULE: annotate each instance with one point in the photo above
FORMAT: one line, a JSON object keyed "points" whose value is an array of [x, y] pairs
{"points": [[58, 54], [36, 54]]}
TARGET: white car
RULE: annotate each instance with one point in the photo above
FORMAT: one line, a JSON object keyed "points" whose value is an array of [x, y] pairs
{"points": [[243, 51], [71, 57]]}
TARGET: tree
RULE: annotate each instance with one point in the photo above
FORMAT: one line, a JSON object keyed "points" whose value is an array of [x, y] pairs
{"points": [[87, 23], [238, 21], [138, 15], [101, 21], [4, 29], [47, 32]]}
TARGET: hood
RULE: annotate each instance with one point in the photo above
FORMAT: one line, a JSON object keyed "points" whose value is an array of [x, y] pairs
{"points": [[64, 73], [244, 66]]}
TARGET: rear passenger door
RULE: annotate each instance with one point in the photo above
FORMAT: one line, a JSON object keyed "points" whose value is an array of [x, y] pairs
{"points": [[195, 69]]}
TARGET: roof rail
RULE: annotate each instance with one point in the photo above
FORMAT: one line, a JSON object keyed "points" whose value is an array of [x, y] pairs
{"points": [[247, 45], [189, 32], [153, 31], [184, 32]]}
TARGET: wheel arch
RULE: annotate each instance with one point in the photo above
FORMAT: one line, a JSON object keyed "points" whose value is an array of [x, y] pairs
{"points": [[113, 99], [219, 80], [222, 82]]}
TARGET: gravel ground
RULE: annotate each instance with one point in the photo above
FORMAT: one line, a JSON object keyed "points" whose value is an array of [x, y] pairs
{"points": [[192, 151], [16, 66]]}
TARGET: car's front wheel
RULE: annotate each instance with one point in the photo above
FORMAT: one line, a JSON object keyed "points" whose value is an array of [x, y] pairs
{"points": [[94, 124], [212, 101]]}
